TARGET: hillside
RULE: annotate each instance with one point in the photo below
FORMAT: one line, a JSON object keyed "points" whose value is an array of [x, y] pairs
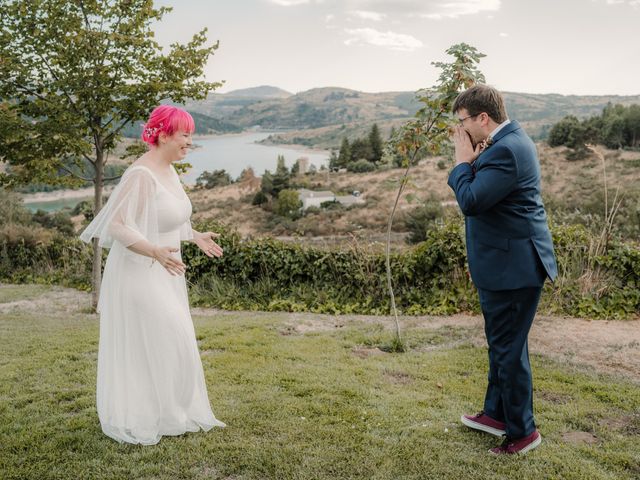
{"points": [[261, 92], [575, 185], [321, 116], [223, 105], [321, 107]]}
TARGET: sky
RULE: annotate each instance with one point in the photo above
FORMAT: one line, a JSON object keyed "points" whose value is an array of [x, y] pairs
{"points": [[570, 47]]}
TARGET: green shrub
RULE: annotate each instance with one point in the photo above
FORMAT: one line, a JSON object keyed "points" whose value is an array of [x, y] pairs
{"points": [[421, 219], [260, 198], [216, 178], [267, 274], [288, 204], [57, 220], [361, 166]]}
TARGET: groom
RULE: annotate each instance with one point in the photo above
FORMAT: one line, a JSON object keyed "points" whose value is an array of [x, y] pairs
{"points": [[496, 181]]}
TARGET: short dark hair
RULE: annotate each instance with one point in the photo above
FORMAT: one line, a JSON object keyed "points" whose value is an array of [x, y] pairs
{"points": [[482, 98]]}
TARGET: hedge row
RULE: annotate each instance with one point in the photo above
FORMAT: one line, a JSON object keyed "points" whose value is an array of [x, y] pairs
{"points": [[430, 278]]}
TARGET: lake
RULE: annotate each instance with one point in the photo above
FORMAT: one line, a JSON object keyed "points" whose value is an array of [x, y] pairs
{"points": [[232, 153]]}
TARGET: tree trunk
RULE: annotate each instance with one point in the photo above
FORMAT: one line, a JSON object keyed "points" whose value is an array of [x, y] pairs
{"points": [[96, 271]]}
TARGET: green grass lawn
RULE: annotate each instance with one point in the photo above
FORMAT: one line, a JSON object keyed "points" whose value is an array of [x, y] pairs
{"points": [[306, 405]]}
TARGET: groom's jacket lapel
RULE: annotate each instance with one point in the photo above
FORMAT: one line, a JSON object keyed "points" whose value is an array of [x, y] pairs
{"points": [[506, 130]]}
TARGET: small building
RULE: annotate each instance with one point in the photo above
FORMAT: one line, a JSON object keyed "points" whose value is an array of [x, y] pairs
{"points": [[303, 164], [309, 198]]}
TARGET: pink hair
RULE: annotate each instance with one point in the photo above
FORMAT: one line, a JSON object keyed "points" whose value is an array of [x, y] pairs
{"points": [[166, 119]]}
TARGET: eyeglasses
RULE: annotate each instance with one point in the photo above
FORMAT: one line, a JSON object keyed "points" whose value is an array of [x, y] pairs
{"points": [[461, 120]]}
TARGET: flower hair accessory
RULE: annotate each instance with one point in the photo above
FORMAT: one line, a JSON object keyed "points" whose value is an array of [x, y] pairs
{"points": [[150, 132]]}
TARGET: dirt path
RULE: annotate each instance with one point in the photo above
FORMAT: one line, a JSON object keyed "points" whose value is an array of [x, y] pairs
{"points": [[606, 346]]}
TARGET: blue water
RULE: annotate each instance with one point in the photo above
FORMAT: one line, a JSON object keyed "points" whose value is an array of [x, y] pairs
{"points": [[56, 205], [232, 153]]}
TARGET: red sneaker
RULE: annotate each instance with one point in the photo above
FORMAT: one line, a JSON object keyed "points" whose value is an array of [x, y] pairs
{"points": [[484, 423], [522, 445]]}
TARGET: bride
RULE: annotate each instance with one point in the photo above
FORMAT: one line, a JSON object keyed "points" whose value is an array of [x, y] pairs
{"points": [[150, 377]]}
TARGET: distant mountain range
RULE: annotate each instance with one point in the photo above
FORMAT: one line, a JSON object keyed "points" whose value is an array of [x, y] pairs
{"points": [[263, 92], [336, 108]]}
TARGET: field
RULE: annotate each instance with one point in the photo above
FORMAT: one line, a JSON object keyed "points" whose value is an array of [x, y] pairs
{"points": [[313, 397]]}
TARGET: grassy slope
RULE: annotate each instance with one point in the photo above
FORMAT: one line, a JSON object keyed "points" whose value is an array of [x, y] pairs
{"points": [[301, 405]]}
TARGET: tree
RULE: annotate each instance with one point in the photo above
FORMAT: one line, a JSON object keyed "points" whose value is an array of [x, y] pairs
{"points": [[333, 160], [295, 169], [360, 149], [281, 177], [429, 130], [613, 134], [376, 144], [560, 132], [266, 184], [288, 203], [217, 178], [73, 75], [344, 157], [632, 119]]}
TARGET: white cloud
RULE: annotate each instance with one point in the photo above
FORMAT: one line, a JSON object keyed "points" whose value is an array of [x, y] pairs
{"points": [[447, 9], [504, 34], [367, 15], [391, 40], [434, 9], [289, 3], [633, 3]]}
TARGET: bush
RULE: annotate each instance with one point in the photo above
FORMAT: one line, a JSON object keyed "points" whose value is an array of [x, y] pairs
{"points": [[12, 209], [312, 211], [37, 255], [58, 220], [361, 166], [422, 219], [217, 178], [85, 207], [266, 274], [260, 198], [288, 204]]}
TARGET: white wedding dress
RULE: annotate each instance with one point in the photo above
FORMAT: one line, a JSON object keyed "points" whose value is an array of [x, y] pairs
{"points": [[150, 378]]}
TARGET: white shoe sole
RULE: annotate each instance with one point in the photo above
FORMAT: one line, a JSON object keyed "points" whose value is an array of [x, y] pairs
{"points": [[526, 449], [532, 445], [481, 427]]}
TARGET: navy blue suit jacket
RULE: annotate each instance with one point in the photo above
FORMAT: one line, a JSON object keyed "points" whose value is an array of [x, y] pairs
{"points": [[509, 245]]}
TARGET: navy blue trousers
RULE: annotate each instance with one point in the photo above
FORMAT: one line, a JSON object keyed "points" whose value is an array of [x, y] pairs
{"points": [[508, 315]]}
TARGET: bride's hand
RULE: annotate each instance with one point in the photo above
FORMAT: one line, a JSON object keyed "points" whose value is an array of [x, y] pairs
{"points": [[205, 242], [165, 258]]}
